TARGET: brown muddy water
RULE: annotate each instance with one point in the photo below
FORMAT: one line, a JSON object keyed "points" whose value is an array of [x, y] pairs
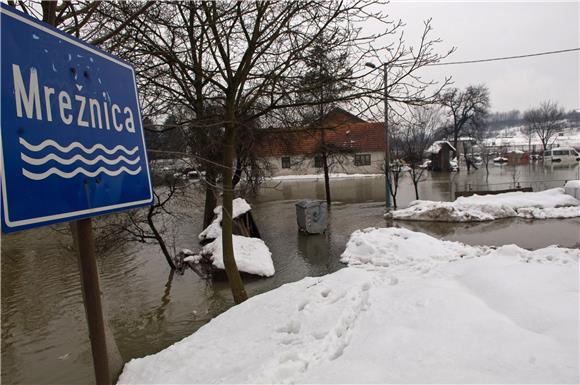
{"points": [[44, 335]]}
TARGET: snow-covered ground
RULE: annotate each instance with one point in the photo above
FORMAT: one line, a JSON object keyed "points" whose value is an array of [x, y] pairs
{"points": [[514, 137], [553, 203], [408, 309], [321, 176]]}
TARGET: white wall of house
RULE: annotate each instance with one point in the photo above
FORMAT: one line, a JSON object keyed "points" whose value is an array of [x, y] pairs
{"points": [[305, 165]]}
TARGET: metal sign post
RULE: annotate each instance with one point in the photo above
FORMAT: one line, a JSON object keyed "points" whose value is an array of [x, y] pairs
{"points": [[83, 233], [71, 144]]}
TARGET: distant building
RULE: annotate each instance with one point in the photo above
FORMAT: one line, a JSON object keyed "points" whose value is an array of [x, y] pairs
{"points": [[440, 154], [466, 145], [356, 146]]}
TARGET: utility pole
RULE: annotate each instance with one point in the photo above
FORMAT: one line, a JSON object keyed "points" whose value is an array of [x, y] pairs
{"points": [[388, 199], [387, 144]]}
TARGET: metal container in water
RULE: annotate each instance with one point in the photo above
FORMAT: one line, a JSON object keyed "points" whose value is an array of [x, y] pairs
{"points": [[311, 216]]}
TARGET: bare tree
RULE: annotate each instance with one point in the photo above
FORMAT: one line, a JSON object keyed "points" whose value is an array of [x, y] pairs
{"points": [[397, 168], [96, 22], [465, 109], [330, 74], [481, 135], [396, 173], [529, 133], [247, 58], [255, 46], [486, 156], [415, 136], [153, 224], [545, 121]]}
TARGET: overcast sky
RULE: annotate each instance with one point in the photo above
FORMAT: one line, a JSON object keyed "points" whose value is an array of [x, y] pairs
{"points": [[495, 29]]}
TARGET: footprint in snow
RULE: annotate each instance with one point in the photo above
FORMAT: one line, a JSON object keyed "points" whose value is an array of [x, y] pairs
{"points": [[292, 327]]}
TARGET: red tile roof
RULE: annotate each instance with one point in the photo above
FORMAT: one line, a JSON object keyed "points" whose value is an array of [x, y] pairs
{"points": [[356, 137]]}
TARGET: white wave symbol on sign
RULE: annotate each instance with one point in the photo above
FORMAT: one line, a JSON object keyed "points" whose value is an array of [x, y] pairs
{"points": [[74, 145], [58, 159], [79, 170], [78, 158]]}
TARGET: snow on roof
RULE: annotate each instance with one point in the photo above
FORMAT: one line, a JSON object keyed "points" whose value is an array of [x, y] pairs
{"points": [[251, 254], [437, 145], [214, 230]]}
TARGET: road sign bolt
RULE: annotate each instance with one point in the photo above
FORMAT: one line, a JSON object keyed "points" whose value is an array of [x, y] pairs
{"points": [[73, 70], [86, 74]]}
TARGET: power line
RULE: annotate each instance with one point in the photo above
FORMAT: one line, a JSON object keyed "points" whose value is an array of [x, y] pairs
{"points": [[505, 57]]}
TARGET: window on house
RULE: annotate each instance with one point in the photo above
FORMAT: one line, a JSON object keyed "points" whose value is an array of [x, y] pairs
{"points": [[318, 161], [285, 162], [362, 159]]}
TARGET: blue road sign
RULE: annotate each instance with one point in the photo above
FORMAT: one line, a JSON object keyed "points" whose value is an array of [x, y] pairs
{"points": [[72, 143]]}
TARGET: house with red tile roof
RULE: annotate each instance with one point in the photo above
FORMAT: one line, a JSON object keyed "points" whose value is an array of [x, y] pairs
{"points": [[355, 146]]}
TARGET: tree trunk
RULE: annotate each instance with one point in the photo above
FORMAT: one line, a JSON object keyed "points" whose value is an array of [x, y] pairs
{"points": [[487, 169], [326, 178], [394, 187], [159, 238], [238, 173], [456, 152], [236, 284], [415, 176], [49, 12], [210, 198], [544, 146]]}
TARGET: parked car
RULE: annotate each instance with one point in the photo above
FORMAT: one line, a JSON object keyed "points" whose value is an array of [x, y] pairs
{"points": [[500, 159]]}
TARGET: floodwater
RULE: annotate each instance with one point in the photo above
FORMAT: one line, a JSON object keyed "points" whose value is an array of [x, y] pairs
{"points": [[44, 335]]}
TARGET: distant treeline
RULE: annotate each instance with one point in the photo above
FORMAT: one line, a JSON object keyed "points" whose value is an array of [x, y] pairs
{"points": [[501, 120]]}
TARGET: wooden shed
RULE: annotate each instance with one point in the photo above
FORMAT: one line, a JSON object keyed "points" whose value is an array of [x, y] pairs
{"points": [[440, 155]]}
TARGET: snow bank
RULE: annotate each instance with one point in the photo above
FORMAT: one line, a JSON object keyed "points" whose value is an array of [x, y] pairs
{"points": [[321, 176], [214, 230], [573, 188], [251, 254], [504, 315], [393, 247], [553, 203]]}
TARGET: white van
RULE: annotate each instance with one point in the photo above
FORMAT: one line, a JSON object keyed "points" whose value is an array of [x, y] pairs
{"points": [[561, 154]]}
